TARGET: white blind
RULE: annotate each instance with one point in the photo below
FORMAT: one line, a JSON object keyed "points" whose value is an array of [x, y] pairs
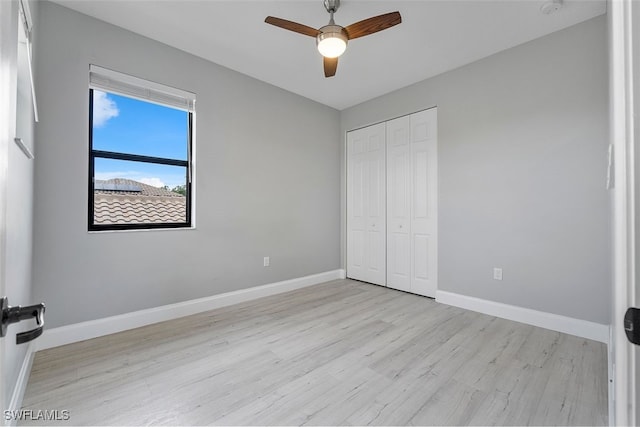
{"points": [[124, 84], [26, 23]]}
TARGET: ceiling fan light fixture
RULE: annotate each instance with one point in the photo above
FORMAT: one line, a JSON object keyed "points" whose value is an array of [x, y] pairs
{"points": [[332, 41]]}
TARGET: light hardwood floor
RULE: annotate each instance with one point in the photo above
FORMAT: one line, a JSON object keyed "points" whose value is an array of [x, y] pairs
{"points": [[339, 353]]}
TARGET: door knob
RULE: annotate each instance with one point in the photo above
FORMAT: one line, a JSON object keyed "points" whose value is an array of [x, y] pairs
{"points": [[400, 226], [18, 313]]}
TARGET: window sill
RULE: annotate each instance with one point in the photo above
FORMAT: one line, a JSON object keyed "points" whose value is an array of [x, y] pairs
{"points": [[143, 230]]}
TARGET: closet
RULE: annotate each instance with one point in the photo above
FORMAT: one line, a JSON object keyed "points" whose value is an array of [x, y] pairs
{"points": [[392, 203]]}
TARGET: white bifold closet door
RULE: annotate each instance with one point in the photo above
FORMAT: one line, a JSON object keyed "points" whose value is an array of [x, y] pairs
{"points": [[366, 217], [412, 174], [399, 204], [392, 203]]}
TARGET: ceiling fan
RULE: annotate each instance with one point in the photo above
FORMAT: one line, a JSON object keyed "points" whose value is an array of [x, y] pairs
{"points": [[332, 39]]}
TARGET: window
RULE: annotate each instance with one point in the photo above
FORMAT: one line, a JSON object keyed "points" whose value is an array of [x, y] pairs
{"points": [[140, 164]]}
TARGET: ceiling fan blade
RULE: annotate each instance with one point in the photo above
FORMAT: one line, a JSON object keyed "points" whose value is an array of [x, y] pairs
{"points": [[292, 26], [373, 25], [330, 66]]}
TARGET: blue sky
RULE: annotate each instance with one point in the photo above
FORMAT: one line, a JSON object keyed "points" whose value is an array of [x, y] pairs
{"points": [[128, 125]]}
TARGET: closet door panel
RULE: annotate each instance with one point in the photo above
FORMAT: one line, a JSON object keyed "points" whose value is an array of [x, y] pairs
{"points": [[366, 218], [357, 174], [424, 176], [376, 205], [398, 204]]}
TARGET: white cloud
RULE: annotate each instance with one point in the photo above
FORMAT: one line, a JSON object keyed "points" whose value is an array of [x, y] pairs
{"points": [[104, 108], [154, 182]]}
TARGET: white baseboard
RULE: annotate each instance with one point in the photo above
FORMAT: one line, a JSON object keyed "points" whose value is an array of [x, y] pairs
{"points": [[21, 382], [568, 325], [343, 273], [109, 325]]}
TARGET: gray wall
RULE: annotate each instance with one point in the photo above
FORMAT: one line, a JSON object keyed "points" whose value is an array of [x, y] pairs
{"points": [[522, 139], [19, 200], [267, 180]]}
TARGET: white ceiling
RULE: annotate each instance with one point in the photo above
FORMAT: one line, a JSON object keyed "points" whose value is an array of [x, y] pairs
{"points": [[435, 36]]}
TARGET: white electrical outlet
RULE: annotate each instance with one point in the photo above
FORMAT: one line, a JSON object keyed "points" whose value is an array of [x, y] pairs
{"points": [[497, 273], [266, 261]]}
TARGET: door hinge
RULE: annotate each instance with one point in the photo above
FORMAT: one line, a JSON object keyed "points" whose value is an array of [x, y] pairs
{"points": [[632, 325]]}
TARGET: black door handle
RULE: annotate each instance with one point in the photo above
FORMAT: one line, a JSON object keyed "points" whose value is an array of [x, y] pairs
{"points": [[18, 313], [632, 325], [27, 336]]}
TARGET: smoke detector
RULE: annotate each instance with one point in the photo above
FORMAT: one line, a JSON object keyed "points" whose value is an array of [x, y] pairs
{"points": [[551, 6]]}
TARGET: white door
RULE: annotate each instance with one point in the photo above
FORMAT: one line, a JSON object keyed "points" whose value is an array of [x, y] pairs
{"points": [[624, 39], [412, 185], [8, 42], [399, 204], [424, 202], [633, 286], [366, 217]]}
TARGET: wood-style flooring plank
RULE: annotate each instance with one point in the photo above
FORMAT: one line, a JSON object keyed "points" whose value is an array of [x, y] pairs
{"points": [[338, 353]]}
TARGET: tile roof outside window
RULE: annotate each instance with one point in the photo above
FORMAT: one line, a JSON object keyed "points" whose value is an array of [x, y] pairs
{"points": [[142, 204]]}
